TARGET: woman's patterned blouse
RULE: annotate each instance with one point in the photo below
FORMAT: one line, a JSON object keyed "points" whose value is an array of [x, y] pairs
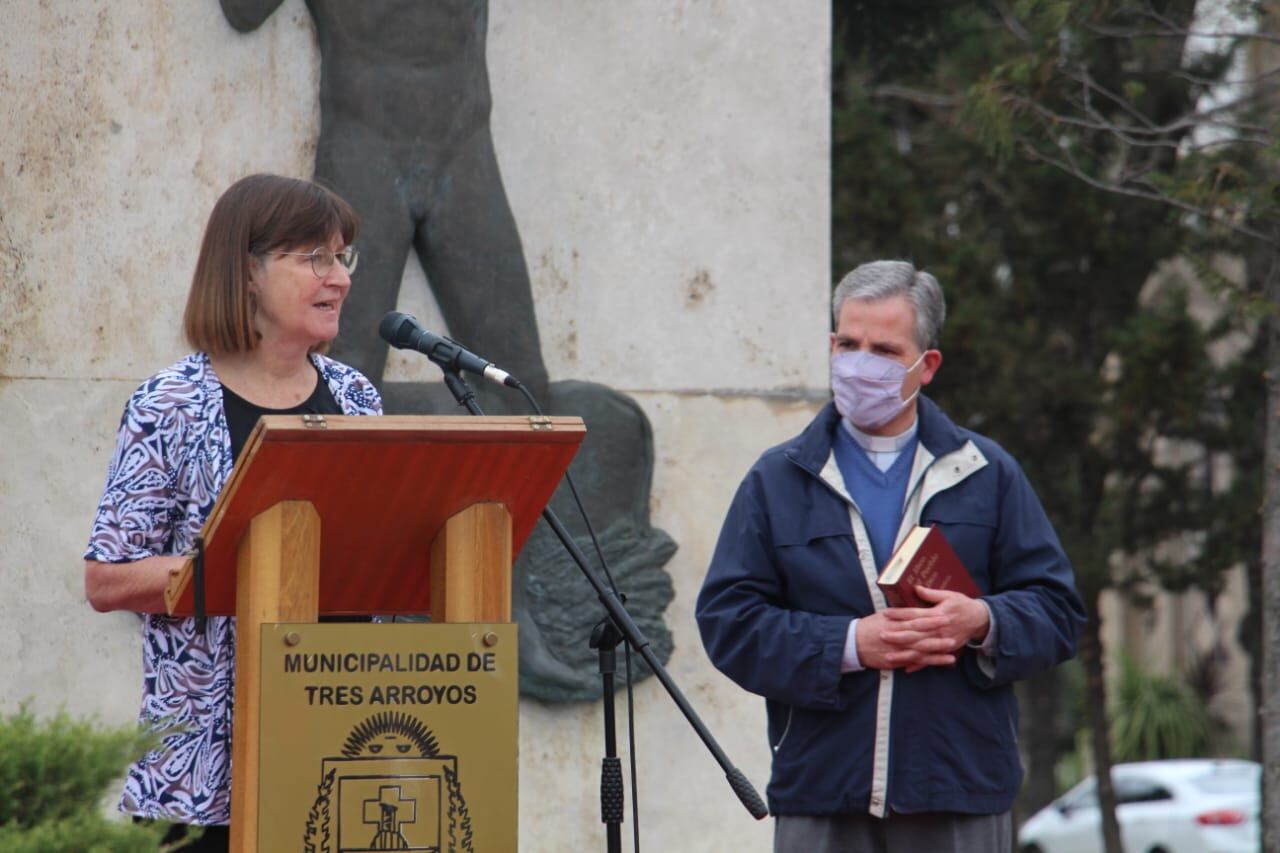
{"points": [[172, 457]]}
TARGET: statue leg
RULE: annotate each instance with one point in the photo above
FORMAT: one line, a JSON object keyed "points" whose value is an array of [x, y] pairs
{"points": [[368, 180], [471, 251]]}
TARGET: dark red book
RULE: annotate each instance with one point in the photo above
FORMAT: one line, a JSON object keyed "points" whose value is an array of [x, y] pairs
{"points": [[925, 558]]}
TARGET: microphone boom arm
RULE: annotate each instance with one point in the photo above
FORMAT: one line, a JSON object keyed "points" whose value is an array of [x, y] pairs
{"points": [[738, 781]]}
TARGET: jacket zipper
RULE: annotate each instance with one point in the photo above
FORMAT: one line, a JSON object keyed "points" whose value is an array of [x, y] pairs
{"points": [[918, 486], [791, 710]]}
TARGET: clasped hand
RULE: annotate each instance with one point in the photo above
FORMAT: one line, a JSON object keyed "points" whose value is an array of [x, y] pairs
{"points": [[912, 638]]}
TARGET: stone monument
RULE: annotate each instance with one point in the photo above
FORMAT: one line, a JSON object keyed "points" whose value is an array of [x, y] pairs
{"points": [[666, 163], [405, 138]]}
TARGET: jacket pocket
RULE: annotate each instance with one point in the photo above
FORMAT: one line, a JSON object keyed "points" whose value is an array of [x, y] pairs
{"points": [[974, 749], [822, 574], [972, 535]]}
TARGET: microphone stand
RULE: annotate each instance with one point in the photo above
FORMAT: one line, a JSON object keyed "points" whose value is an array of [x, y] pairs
{"points": [[605, 638], [619, 621]]}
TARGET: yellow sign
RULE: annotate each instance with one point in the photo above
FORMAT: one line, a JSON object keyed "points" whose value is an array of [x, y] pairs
{"points": [[388, 737]]}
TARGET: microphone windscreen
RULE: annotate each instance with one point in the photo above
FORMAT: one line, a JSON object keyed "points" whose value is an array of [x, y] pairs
{"points": [[396, 327]]}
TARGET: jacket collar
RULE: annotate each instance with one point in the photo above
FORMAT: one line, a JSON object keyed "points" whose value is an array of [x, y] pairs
{"points": [[937, 433]]}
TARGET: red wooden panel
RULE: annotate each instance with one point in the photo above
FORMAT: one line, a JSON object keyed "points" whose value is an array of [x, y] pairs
{"points": [[383, 487]]}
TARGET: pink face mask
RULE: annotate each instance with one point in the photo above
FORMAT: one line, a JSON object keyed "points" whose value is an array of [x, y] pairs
{"points": [[868, 388]]}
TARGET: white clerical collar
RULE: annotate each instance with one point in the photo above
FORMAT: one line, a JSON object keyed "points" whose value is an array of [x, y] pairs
{"points": [[881, 443]]}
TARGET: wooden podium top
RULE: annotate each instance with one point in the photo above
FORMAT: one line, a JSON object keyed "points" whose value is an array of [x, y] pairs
{"points": [[383, 487]]}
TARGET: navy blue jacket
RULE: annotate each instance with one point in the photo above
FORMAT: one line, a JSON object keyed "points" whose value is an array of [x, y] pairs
{"points": [[793, 566]]}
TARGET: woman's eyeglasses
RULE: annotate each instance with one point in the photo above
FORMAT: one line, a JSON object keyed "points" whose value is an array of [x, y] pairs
{"points": [[323, 258]]}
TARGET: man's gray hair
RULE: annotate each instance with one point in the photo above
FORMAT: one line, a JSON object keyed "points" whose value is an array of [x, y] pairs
{"points": [[878, 280]]}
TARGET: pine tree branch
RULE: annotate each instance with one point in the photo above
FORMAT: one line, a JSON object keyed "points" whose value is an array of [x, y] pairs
{"points": [[915, 96], [1071, 168], [1011, 22], [1181, 125], [1175, 32], [1086, 80], [1171, 26]]}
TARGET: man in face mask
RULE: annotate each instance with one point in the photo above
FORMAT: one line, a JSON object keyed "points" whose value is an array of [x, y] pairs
{"points": [[892, 728]]}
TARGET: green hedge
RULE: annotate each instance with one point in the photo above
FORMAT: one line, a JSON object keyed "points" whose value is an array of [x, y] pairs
{"points": [[54, 776]]}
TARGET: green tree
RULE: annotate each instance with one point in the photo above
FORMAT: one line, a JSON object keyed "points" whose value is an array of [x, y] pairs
{"points": [[1102, 386], [1118, 96]]}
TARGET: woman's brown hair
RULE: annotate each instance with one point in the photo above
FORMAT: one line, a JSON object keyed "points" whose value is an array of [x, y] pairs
{"points": [[255, 216]]}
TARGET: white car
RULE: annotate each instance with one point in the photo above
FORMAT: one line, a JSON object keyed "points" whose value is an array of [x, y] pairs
{"points": [[1193, 805]]}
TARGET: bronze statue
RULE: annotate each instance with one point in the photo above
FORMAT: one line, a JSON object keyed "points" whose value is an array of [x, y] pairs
{"points": [[405, 138]]}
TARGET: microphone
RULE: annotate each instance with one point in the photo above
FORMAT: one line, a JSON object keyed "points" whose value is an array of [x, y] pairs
{"points": [[403, 331]]}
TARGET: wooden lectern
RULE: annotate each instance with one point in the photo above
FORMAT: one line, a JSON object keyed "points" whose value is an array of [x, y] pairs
{"points": [[366, 515]]}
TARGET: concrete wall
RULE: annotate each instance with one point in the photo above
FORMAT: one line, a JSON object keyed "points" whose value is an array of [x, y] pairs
{"points": [[667, 162]]}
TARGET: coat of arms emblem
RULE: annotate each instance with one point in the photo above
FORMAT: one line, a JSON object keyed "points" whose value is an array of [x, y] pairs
{"points": [[390, 789]]}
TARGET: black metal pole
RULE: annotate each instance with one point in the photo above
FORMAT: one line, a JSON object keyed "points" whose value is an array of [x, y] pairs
{"points": [[605, 638]]}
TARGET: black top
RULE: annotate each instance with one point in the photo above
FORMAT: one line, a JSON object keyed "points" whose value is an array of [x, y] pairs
{"points": [[242, 416]]}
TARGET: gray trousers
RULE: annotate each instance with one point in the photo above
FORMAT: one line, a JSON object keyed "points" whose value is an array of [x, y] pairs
{"points": [[937, 832]]}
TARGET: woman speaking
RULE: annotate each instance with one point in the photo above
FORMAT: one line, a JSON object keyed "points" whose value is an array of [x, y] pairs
{"points": [[273, 272]]}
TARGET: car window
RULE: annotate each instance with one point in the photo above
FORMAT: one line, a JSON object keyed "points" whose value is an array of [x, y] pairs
{"points": [[1085, 796], [1139, 789], [1235, 779]]}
